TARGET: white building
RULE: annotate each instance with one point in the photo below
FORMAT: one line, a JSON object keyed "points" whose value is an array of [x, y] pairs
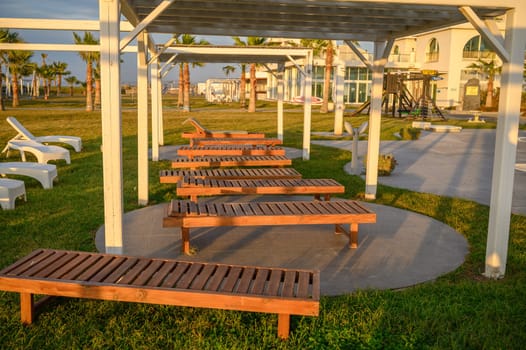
{"points": [[448, 51]]}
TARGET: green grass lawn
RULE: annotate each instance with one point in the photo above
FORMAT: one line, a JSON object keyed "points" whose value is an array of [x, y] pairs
{"points": [[461, 310]]}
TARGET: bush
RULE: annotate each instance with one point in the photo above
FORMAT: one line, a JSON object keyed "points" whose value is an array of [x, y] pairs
{"points": [[410, 133], [386, 164]]}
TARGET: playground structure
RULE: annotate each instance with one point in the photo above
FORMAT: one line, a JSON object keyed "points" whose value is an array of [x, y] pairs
{"points": [[397, 99], [222, 90]]}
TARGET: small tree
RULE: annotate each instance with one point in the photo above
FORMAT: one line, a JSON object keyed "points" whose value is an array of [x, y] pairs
{"points": [[88, 57], [491, 69], [71, 80], [60, 69]]}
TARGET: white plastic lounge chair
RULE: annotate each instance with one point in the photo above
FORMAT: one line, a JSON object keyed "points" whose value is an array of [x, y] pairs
{"points": [[10, 190], [24, 134], [44, 173], [43, 153]]}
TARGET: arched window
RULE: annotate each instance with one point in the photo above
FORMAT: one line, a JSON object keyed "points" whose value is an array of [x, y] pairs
{"points": [[476, 48], [396, 50], [432, 51]]}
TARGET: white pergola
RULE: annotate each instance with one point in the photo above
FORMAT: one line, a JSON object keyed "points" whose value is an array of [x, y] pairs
{"points": [[380, 22]]}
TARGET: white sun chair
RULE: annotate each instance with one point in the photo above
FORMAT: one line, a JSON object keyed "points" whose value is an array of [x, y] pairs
{"points": [[24, 134], [43, 153], [10, 190], [43, 173]]}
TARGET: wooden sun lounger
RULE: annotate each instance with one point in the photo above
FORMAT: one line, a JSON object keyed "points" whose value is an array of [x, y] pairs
{"points": [[173, 176], [162, 281], [188, 214], [194, 187], [229, 150], [235, 141], [219, 162], [201, 131]]}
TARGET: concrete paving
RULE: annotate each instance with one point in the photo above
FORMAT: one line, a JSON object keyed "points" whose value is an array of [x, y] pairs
{"points": [[402, 249], [449, 164]]}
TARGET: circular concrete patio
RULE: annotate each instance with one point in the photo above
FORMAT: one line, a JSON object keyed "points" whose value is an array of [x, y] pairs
{"points": [[402, 249]]}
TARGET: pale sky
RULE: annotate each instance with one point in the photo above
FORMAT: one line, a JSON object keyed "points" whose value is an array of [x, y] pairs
{"points": [[88, 9]]}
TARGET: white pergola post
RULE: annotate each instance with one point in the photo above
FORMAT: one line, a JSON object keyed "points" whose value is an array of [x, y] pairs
{"points": [[142, 119], [155, 109], [281, 69], [505, 146], [339, 103], [109, 12], [160, 108], [307, 106], [375, 119]]}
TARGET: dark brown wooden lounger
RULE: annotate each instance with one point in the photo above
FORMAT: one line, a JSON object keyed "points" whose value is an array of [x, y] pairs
{"points": [[187, 214], [174, 175], [162, 281]]}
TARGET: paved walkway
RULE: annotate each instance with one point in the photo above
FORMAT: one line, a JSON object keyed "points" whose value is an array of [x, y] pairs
{"points": [[402, 249], [449, 164]]}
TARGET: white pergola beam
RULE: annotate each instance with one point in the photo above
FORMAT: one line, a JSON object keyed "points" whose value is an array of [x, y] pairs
{"points": [[145, 22], [163, 49], [485, 32], [358, 53], [57, 24], [57, 47]]}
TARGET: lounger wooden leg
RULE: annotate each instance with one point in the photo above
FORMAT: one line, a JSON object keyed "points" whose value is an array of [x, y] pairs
{"points": [[283, 325], [27, 308], [185, 237], [338, 229], [353, 236]]}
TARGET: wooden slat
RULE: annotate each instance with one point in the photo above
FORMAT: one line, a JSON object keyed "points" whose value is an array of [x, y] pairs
{"points": [[304, 278], [203, 277], [41, 263], [116, 275], [134, 271], [59, 261], [188, 277], [289, 284], [75, 272], [274, 282], [231, 280], [174, 276], [161, 274], [108, 269], [22, 264], [215, 281], [147, 273], [258, 287], [174, 176], [245, 280]]}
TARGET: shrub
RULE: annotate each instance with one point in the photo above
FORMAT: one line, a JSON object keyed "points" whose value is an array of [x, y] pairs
{"points": [[386, 164], [410, 133]]}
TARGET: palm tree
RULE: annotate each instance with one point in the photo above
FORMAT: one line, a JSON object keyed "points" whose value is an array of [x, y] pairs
{"points": [[187, 39], [19, 66], [229, 69], [5, 37], [47, 73], [180, 92], [71, 80], [251, 41], [320, 47], [88, 57], [60, 70], [490, 69]]}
